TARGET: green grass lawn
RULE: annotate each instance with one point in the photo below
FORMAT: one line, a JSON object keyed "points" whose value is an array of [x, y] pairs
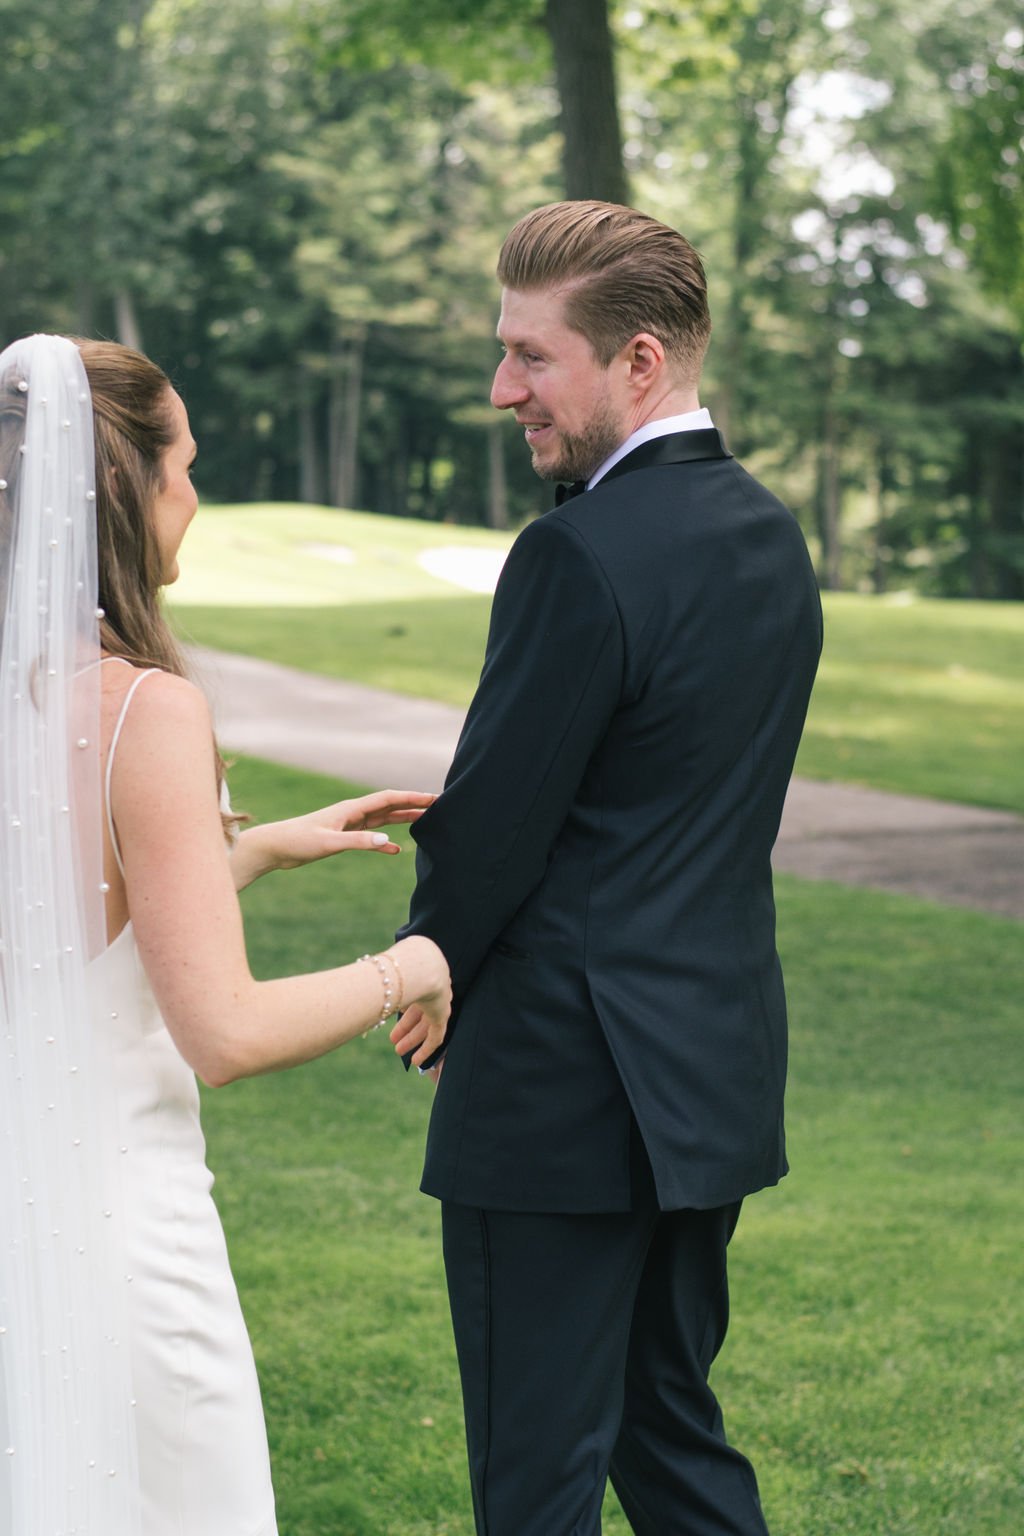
{"points": [[874, 1369], [256, 580], [924, 697]]}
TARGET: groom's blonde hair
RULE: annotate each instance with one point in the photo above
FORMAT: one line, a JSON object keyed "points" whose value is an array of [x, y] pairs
{"points": [[621, 272]]}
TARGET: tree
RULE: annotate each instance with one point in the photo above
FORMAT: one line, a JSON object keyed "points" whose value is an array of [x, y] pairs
{"points": [[964, 78], [85, 166], [581, 41], [460, 37], [296, 207]]}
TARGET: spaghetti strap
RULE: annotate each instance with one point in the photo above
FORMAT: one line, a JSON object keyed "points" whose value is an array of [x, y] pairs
{"points": [[110, 755]]}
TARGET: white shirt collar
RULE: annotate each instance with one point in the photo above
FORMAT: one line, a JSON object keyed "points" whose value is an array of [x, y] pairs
{"points": [[690, 421]]}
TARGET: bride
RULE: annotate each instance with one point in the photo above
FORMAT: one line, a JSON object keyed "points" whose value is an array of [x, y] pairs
{"points": [[129, 1404]]}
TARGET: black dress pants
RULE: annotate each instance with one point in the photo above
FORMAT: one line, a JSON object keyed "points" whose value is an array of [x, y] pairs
{"points": [[584, 1346]]}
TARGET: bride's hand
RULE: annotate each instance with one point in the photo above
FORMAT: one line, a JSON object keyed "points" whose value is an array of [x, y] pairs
{"points": [[338, 828], [421, 1028]]}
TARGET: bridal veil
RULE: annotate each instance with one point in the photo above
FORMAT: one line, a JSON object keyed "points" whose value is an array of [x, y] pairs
{"points": [[67, 1454]]}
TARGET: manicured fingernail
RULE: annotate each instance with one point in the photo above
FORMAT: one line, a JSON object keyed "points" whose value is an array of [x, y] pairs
{"points": [[380, 838]]}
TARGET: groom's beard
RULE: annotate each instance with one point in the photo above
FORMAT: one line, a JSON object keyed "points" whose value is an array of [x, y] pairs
{"points": [[580, 453]]}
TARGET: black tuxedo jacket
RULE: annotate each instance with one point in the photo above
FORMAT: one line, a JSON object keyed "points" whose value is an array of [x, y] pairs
{"points": [[597, 870]]}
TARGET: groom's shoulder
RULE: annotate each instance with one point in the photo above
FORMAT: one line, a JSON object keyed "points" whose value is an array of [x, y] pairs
{"points": [[552, 534], [554, 557]]}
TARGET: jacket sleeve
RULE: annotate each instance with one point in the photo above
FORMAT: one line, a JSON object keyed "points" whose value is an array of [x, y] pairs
{"points": [[551, 680]]}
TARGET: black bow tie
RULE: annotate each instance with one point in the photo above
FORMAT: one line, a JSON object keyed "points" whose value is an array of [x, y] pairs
{"points": [[567, 492]]}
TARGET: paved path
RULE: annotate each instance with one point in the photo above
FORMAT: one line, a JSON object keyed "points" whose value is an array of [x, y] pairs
{"points": [[956, 854]]}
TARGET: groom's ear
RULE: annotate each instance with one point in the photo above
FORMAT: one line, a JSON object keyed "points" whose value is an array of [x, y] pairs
{"points": [[644, 358]]}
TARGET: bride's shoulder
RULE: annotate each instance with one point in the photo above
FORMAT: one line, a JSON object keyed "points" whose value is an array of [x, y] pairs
{"points": [[160, 755], [152, 702]]}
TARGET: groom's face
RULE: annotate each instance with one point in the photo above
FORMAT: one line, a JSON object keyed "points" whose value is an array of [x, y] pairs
{"points": [[573, 411]]}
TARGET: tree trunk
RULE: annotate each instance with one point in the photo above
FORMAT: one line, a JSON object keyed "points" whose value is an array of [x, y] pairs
{"points": [[880, 553], [335, 416], [345, 412], [497, 484], [398, 479], [971, 489], [1004, 492], [828, 500], [585, 75], [85, 307], [311, 480], [436, 498], [126, 320], [729, 415], [348, 481]]}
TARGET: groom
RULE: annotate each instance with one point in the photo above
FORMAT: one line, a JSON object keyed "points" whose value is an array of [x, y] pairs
{"points": [[597, 874]]}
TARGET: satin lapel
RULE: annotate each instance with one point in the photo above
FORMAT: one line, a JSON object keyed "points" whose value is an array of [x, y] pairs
{"points": [[677, 448]]}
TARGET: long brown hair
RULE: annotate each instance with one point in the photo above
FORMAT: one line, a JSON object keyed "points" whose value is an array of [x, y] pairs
{"points": [[133, 428]]}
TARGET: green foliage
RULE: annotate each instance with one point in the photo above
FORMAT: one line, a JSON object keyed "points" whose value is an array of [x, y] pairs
{"points": [[83, 155], [803, 151], [873, 1368], [979, 167], [367, 36], [296, 205]]}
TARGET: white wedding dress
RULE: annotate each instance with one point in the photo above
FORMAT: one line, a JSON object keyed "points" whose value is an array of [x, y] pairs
{"points": [[204, 1467]]}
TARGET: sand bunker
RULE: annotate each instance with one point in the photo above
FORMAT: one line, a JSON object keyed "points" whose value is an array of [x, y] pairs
{"points": [[475, 570], [339, 553]]}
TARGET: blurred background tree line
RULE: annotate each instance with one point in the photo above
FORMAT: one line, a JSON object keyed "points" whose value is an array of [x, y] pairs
{"points": [[296, 205]]}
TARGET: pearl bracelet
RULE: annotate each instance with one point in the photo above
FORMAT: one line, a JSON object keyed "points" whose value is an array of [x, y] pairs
{"points": [[398, 977], [389, 1005]]}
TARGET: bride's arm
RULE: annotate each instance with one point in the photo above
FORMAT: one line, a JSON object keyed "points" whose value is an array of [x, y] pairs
{"points": [[348, 824], [183, 904]]}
